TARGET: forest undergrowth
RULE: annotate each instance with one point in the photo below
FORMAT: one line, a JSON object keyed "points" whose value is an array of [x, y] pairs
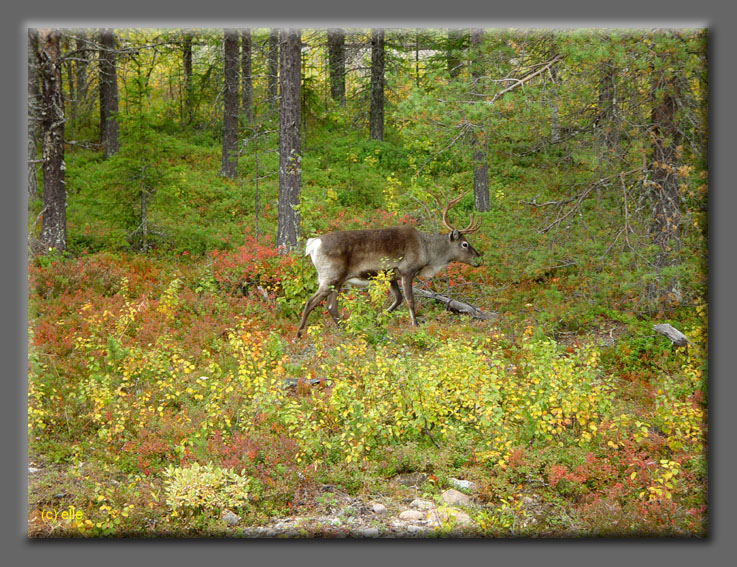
{"points": [[166, 386]]}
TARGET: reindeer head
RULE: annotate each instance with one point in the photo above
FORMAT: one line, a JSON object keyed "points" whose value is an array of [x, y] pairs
{"points": [[461, 249]]}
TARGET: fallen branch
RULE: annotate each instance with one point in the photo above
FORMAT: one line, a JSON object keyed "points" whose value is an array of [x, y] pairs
{"points": [[526, 78], [674, 335], [294, 382], [456, 306], [580, 198]]}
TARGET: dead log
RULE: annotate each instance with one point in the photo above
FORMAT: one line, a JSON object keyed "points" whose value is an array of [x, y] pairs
{"points": [[674, 335], [455, 305], [294, 382]]}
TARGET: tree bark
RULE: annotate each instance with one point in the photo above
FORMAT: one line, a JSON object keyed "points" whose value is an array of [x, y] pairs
{"points": [[336, 63], [664, 193], [53, 223], [80, 72], [188, 90], [606, 118], [376, 116], [246, 80], [273, 66], [33, 112], [481, 197], [290, 158], [230, 106], [108, 94], [454, 44]]}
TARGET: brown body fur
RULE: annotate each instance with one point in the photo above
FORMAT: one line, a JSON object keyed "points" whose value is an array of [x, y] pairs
{"points": [[353, 256]]}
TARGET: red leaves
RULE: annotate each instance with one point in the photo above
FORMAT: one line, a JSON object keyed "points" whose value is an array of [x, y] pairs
{"points": [[560, 472], [251, 264]]}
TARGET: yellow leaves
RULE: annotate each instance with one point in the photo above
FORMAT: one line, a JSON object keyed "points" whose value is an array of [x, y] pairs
{"points": [[685, 170]]}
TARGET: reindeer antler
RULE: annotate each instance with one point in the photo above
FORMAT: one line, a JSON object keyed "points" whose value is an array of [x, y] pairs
{"points": [[472, 226]]}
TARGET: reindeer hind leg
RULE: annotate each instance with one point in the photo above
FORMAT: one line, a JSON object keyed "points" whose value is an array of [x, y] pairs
{"points": [[332, 304], [322, 292], [397, 294]]}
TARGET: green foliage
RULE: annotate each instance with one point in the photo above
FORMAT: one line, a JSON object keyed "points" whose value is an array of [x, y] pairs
{"points": [[197, 488], [566, 411], [369, 319]]}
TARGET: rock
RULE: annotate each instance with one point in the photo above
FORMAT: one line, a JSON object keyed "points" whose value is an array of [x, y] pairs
{"points": [[458, 517], [378, 508], [412, 516], [33, 470], [419, 504], [368, 532], [432, 520], [455, 498], [461, 484], [229, 518], [415, 530], [411, 479]]}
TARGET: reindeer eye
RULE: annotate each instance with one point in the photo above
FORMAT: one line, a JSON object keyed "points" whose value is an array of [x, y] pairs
{"points": [[465, 244]]}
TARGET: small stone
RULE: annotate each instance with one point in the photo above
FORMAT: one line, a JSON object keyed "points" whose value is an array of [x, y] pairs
{"points": [[230, 518], [411, 516], [414, 529], [455, 498], [419, 504], [462, 519], [369, 532], [461, 484], [378, 508], [458, 517], [33, 470], [411, 479]]}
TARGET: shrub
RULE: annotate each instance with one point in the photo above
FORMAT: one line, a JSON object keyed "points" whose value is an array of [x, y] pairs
{"points": [[196, 488]]}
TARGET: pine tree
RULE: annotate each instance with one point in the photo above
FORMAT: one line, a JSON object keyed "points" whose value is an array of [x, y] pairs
{"points": [[290, 153], [376, 116], [230, 106], [53, 223], [108, 93]]}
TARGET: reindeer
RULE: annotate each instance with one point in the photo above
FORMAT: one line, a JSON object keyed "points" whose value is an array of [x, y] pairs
{"points": [[354, 256]]}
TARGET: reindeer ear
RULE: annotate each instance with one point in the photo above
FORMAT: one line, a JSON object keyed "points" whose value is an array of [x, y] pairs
{"points": [[454, 235]]}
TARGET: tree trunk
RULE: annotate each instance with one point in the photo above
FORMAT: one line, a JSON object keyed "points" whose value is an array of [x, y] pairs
{"points": [[376, 116], [33, 112], [454, 44], [69, 79], [273, 66], [336, 63], [108, 94], [606, 118], [246, 81], [481, 197], [80, 72], [664, 193], [53, 223], [290, 158], [417, 57], [187, 98], [230, 106]]}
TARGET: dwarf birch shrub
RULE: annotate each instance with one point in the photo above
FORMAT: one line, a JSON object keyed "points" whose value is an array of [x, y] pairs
{"points": [[198, 487]]}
